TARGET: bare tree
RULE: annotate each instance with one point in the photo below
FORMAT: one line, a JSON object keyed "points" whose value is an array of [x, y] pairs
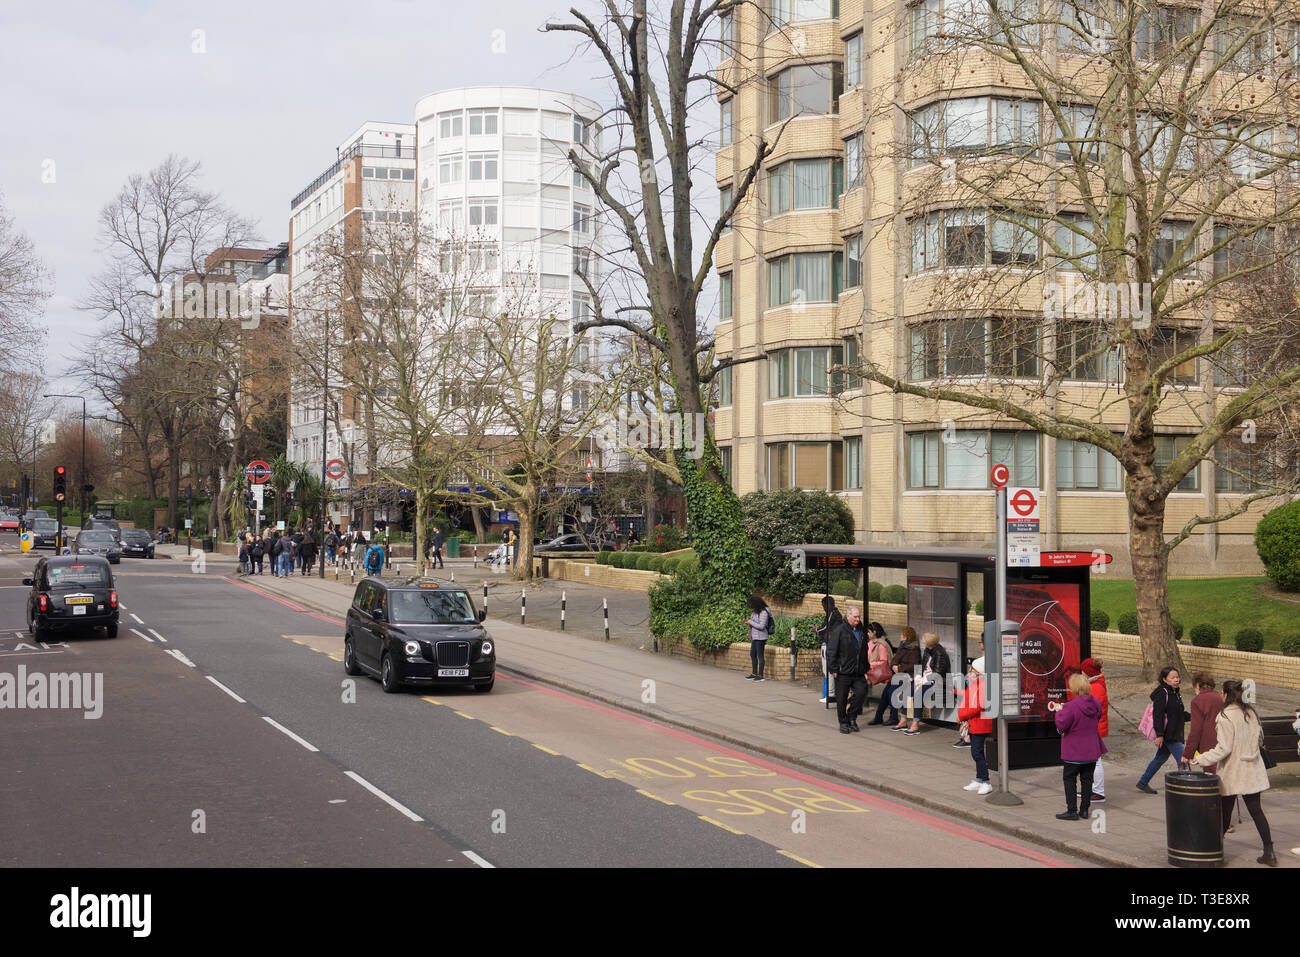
{"points": [[24, 287], [1074, 250]]}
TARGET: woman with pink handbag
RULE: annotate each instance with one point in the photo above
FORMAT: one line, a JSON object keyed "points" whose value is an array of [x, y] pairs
{"points": [[1165, 716]]}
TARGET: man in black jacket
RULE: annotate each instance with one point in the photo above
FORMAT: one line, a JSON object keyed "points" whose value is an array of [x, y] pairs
{"points": [[846, 651]]}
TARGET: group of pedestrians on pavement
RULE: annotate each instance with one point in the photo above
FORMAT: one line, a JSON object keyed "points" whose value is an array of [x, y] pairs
{"points": [[292, 551]]}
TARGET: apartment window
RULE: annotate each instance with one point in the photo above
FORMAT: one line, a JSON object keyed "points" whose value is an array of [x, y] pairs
{"points": [[1166, 243], [582, 219], [485, 258], [724, 453], [1230, 362], [973, 126], [483, 212], [1156, 136], [1006, 348], [1162, 28], [1238, 248], [805, 89], [724, 204], [1080, 465], [580, 181], [1074, 243], [853, 61], [724, 295], [1239, 468], [1243, 44], [1080, 28], [724, 386], [451, 169], [482, 122], [804, 277], [483, 166], [582, 261], [1083, 353], [971, 237], [727, 34], [923, 18], [853, 261], [805, 465], [789, 11], [451, 124], [728, 120], [1167, 448], [853, 162], [580, 400], [812, 373], [582, 132], [1245, 148], [1167, 342], [451, 214], [802, 184], [962, 459], [1082, 135], [778, 375], [853, 462], [851, 359]]}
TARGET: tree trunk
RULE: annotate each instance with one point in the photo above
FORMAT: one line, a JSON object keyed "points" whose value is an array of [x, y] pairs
{"points": [[417, 539], [1150, 578], [173, 480], [479, 527], [651, 504], [523, 568]]}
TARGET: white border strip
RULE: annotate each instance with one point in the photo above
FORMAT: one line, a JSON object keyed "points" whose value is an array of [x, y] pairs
{"points": [[478, 860], [141, 634], [225, 689], [158, 636], [278, 726], [381, 795]]}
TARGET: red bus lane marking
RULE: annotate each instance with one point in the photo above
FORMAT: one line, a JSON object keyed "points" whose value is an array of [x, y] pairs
{"points": [[287, 604], [920, 817]]}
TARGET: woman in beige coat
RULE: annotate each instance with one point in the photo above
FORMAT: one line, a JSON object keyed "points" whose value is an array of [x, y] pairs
{"points": [[1241, 769]]}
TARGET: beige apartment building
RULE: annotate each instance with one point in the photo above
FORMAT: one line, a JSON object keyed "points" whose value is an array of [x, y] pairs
{"points": [[852, 243]]}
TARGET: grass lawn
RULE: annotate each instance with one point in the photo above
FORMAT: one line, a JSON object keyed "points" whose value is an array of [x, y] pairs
{"points": [[1229, 603]]}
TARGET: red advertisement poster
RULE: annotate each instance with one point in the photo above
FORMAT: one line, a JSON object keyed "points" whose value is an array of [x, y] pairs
{"points": [[1050, 640]]}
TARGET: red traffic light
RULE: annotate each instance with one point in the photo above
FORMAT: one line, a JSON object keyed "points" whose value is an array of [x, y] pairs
{"points": [[60, 470]]}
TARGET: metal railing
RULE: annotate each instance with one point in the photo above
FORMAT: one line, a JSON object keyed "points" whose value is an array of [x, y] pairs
{"points": [[356, 149]]}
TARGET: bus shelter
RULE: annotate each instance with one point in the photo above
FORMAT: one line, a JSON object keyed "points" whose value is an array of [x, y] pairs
{"points": [[1049, 602]]}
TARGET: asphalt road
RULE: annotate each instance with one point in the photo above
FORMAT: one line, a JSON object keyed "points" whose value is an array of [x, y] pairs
{"points": [[221, 699]]}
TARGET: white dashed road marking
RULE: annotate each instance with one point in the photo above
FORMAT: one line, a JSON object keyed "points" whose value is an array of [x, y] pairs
{"points": [[135, 631], [225, 689], [381, 795], [278, 726]]}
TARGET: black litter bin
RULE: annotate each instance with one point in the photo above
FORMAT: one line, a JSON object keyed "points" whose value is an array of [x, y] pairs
{"points": [[209, 545], [1193, 819]]}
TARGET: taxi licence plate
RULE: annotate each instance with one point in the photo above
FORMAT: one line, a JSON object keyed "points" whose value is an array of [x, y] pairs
{"points": [[453, 672], [80, 600]]}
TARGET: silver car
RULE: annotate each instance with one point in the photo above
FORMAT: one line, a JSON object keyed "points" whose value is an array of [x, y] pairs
{"points": [[96, 541]]}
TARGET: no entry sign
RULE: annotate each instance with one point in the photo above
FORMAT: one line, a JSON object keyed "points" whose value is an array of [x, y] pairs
{"points": [[258, 472], [335, 468]]}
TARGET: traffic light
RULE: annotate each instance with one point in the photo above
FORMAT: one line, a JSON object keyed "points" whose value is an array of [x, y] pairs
{"points": [[189, 497], [60, 483]]}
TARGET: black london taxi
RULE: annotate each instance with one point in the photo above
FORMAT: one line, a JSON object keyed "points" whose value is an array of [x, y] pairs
{"points": [[71, 592], [418, 631]]}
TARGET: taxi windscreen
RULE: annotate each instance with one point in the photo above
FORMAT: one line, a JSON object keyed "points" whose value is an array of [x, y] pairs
{"points": [[431, 607], [77, 575]]}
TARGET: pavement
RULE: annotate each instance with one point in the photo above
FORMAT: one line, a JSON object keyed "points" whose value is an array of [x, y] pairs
{"points": [[787, 722]]}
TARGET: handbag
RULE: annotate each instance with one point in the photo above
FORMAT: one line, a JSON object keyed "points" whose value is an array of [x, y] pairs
{"points": [[1148, 723], [1265, 755]]}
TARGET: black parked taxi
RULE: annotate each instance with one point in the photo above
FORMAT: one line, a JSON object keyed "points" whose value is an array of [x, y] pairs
{"points": [[417, 631], [71, 592]]}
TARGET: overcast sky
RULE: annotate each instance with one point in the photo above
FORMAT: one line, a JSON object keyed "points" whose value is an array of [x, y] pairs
{"points": [[107, 89]]}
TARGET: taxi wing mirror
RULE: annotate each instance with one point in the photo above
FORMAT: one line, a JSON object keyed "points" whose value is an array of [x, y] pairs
{"points": [[29, 581], [482, 614]]}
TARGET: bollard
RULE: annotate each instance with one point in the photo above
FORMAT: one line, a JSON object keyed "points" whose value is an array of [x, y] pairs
{"points": [[794, 653], [352, 575], [485, 598], [453, 576], [562, 603], [604, 605], [523, 604]]}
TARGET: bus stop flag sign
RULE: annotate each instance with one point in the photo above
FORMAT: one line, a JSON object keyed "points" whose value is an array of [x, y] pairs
{"points": [[1022, 527]]}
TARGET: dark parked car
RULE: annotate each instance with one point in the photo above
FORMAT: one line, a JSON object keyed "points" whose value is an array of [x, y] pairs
{"points": [[418, 631], [137, 543], [110, 524], [44, 531], [68, 592], [98, 541], [572, 542]]}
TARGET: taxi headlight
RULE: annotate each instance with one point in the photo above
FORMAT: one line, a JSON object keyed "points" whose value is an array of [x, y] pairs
{"points": [[486, 649], [412, 648]]}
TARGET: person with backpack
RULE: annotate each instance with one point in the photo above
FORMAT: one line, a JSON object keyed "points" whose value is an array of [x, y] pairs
{"points": [[761, 625], [846, 655], [307, 549], [331, 545], [833, 618], [1242, 772], [375, 560], [435, 555], [1163, 724], [286, 554], [256, 552], [243, 555]]}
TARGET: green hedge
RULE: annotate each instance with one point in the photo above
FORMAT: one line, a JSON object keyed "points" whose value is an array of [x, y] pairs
{"points": [[1205, 636], [1100, 620], [1128, 623], [1277, 539], [1291, 646], [845, 589], [873, 591], [603, 558], [894, 595], [655, 563], [979, 607], [1249, 639], [670, 565], [804, 635]]}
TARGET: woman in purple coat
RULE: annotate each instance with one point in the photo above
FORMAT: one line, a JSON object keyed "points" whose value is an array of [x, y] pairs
{"points": [[1081, 746]]}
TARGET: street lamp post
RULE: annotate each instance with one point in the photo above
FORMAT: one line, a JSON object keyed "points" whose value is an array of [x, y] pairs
{"points": [[58, 395], [324, 450]]}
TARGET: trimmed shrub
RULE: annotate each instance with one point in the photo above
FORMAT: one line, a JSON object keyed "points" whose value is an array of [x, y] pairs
{"points": [[1128, 623], [894, 595], [873, 591], [1205, 636], [1100, 620], [655, 563], [845, 589], [792, 517], [1277, 539], [979, 607], [604, 558], [671, 565], [1249, 639], [643, 561], [1291, 646], [664, 538], [618, 559]]}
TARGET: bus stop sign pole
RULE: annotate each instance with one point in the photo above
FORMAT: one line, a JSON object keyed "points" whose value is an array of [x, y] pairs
{"points": [[1003, 795]]}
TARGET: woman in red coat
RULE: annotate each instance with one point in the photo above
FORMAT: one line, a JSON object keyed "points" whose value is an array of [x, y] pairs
{"points": [[1091, 668], [972, 710], [1205, 708]]}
